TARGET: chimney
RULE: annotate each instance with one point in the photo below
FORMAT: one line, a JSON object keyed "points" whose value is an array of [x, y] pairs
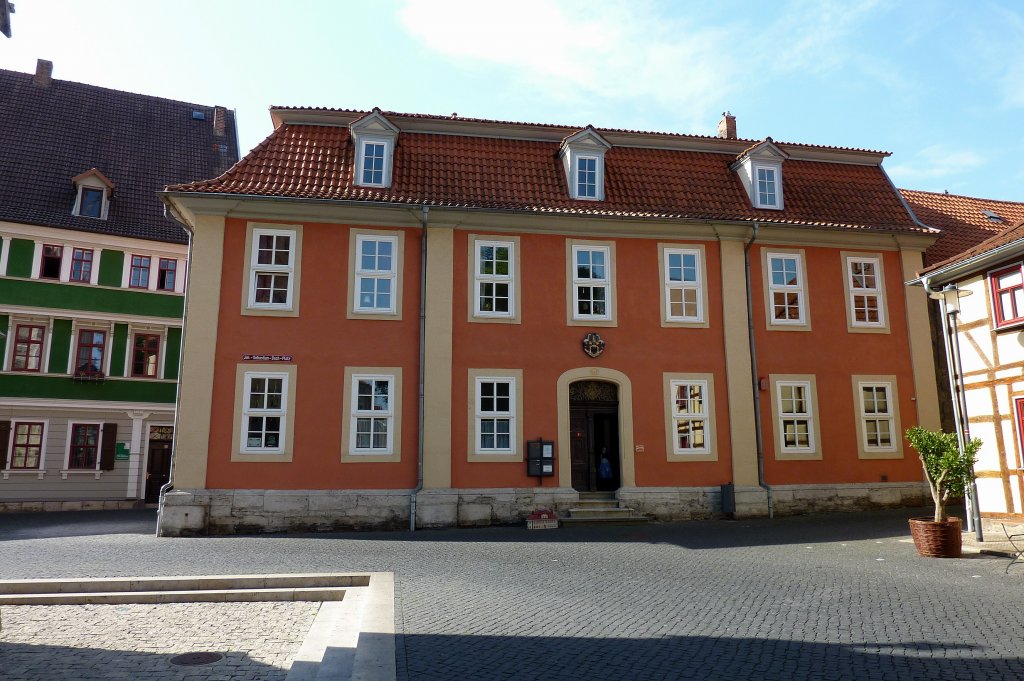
{"points": [[727, 126], [220, 116], [44, 70]]}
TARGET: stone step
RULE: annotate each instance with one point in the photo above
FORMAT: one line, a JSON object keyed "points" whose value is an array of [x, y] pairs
{"points": [[598, 503], [607, 520], [182, 583], [597, 495], [167, 596], [600, 511]]}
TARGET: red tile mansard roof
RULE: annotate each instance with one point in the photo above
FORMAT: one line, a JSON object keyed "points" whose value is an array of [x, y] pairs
{"points": [[478, 164], [965, 221]]}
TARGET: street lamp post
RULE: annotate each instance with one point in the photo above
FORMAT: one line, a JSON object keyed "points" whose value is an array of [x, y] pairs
{"points": [[949, 298]]}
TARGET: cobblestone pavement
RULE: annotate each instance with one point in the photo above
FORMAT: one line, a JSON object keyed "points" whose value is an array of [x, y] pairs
{"points": [[257, 640], [816, 597]]}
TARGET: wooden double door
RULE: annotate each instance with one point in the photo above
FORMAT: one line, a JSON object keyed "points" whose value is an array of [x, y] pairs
{"points": [[594, 433]]}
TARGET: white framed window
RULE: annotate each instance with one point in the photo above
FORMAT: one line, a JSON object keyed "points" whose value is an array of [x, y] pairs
{"points": [[494, 279], [787, 304], [689, 400], [271, 269], [373, 155], [683, 294], [587, 177], [878, 421], [495, 415], [372, 420], [27, 449], [376, 273], [264, 412], [591, 282], [767, 192], [795, 416], [864, 285]]}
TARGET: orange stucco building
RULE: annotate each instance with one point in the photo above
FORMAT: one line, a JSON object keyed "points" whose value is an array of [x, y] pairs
{"points": [[391, 314]]}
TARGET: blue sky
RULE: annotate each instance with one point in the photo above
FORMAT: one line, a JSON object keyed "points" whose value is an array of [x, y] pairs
{"points": [[940, 84]]}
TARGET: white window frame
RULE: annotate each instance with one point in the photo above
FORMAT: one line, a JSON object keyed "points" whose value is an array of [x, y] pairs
{"points": [[388, 146], [888, 416], [104, 206], [605, 283], [775, 180], [479, 279], [40, 471], [496, 415], [704, 416], [64, 471], [800, 289], [807, 416], [671, 285], [578, 159], [388, 415], [376, 275], [247, 411], [878, 291], [255, 268]]}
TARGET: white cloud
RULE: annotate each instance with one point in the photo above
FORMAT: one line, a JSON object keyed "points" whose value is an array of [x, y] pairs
{"points": [[592, 53], [935, 162], [574, 50]]}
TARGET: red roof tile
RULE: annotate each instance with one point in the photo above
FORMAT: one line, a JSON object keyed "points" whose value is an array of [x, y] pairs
{"points": [[316, 162], [1003, 238], [963, 223]]}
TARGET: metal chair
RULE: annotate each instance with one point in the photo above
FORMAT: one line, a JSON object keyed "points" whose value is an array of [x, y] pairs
{"points": [[1017, 542]]}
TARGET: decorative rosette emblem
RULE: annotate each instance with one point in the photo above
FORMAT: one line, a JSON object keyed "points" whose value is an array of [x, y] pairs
{"points": [[593, 345]]}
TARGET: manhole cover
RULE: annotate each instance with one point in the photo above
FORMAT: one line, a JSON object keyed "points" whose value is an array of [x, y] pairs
{"points": [[193, 659]]}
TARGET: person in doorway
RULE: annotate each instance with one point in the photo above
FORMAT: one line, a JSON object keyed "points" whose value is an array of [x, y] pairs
{"points": [[604, 470]]}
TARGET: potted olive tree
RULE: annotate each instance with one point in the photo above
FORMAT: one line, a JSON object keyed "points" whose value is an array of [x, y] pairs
{"points": [[948, 472]]}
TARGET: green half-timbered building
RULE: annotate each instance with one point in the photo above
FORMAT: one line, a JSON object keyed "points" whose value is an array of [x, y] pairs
{"points": [[92, 280]]}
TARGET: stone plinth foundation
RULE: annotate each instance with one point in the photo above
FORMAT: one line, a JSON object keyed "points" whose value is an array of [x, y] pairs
{"points": [[198, 512], [85, 505]]}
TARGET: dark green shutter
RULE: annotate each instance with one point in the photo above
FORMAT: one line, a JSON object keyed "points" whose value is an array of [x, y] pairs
{"points": [[111, 268], [5, 441], [109, 447]]}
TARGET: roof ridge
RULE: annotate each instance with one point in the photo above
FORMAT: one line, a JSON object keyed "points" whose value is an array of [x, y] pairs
{"points": [[29, 76], [961, 196]]}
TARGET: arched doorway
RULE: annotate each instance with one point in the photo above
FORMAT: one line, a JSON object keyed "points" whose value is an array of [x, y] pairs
{"points": [[595, 445]]}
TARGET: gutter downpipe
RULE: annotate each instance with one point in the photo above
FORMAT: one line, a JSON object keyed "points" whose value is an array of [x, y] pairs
{"points": [[169, 485], [755, 388], [425, 217]]}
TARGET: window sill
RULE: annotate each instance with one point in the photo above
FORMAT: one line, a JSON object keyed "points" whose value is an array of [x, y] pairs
{"points": [[379, 315], [495, 457], [1009, 327], [36, 472], [370, 457], [65, 472], [677, 457], [798, 456]]}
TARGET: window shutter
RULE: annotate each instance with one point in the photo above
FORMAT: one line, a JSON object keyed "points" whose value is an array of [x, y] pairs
{"points": [[5, 439], [109, 447]]}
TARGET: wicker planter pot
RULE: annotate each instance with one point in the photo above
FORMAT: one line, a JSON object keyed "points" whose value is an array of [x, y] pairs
{"points": [[937, 540]]}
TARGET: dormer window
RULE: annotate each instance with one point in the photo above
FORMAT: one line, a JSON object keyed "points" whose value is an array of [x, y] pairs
{"points": [[373, 163], [586, 177], [374, 138], [767, 197], [92, 197], [760, 170], [583, 159], [91, 204]]}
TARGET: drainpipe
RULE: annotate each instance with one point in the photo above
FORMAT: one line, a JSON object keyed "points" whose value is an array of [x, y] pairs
{"points": [[425, 216], [169, 485], [759, 435]]}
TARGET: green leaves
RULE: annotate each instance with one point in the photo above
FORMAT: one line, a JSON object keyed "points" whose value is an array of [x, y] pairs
{"points": [[948, 471]]}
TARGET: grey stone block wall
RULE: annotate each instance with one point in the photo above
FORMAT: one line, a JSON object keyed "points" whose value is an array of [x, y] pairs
{"points": [[197, 512]]}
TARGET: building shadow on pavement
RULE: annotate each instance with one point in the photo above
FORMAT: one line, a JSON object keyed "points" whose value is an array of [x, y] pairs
{"points": [[58, 524], [555, 658], [26, 662]]}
